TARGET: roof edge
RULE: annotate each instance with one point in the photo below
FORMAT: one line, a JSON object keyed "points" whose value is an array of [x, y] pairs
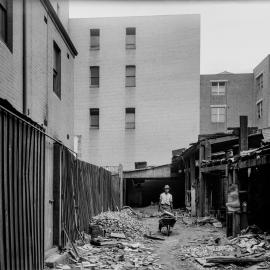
{"points": [[54, 17]]}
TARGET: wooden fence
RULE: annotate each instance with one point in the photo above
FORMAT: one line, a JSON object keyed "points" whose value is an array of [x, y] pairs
{"points": [[81, 190], [22, 148]]}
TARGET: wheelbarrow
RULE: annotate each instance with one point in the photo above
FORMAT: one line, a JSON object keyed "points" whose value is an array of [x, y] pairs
{"points": [[166, 221]]}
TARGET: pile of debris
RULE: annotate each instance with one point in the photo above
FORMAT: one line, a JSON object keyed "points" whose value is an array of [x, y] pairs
{"points": [[247, 249], [118, 240], [124, 222], [124, 256], [209, 220]]}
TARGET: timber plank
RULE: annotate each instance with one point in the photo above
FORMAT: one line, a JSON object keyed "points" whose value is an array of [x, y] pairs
{"points": [[2, 256], [15, 164], [42, 192], [28, 198], [20, 196], [10, 193], [5, 179], [24, 198]]}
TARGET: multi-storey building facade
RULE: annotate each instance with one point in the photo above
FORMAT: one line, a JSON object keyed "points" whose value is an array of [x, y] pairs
{"points": [[262, 94], [223, 98], [136, 87], [36, 74]]}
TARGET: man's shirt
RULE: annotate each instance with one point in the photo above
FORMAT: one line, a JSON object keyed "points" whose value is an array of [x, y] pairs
{"points": [[166, 198]]}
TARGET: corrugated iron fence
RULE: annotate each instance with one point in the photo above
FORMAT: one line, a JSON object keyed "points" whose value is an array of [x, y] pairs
{"points": [[21, 193], [81, 190]]}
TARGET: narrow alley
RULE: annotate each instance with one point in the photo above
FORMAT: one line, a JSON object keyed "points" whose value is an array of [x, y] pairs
{"points": [[129, 239], [134, 135]]}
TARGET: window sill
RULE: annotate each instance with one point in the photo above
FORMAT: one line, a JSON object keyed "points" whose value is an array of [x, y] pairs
{"points": [[130, 47], [133, 86], [94, 127], [6, 45], [94, 86], [59, 97], [95, 49]]}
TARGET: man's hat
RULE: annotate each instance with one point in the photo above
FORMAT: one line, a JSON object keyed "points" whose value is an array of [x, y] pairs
{"points": [[167, 187]]}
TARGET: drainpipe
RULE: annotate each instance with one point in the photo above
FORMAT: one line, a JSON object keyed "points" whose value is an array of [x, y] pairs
{"points": [[24, 58]]}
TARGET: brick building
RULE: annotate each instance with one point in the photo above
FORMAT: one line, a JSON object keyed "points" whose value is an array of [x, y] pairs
{"points": [[36, 74], [136, 87], [261, 95], [223, 98]]}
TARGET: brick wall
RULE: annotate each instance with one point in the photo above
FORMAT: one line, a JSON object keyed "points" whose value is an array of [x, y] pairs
{"points": [[42, 103], [166, 96], [263, 68], [239, 100], [11, 62]]}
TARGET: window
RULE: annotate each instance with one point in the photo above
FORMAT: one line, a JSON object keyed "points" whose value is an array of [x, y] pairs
{"points": [[131, 38], [259, 82], [56, 70], [94, 70], [130, 118], [218, 114], [6, 23], [130, 76], [218, 88], [94, 39], [3, 20], [259, 109], [94, 118]]}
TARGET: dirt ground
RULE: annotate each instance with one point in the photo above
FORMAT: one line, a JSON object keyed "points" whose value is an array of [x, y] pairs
{"points": [[181, 235]]}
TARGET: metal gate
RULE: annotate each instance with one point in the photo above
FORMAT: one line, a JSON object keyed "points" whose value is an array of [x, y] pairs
{"points": [[22, 153]]}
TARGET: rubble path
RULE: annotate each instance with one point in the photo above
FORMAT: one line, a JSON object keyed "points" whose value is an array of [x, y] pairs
{"points": [[181, 235]]}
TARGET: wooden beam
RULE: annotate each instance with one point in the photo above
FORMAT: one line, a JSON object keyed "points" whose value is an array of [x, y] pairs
{"points": [[243, 138], [264, 160], [221, 167]]}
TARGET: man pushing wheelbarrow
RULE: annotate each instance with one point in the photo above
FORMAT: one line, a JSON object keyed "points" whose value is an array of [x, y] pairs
{"points": [[167, 219]]}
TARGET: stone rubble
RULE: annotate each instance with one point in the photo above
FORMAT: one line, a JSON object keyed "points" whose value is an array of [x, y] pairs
{"points": [[130, 251]]}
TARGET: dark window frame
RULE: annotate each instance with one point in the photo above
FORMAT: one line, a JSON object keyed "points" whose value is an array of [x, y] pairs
{"points": [[259, 109], [6, 26], [94, 112], [259, 82], [130, 76], [95, 32], [94, 79], [131, 31], [57, 70], [221, 85], [130, 124]]}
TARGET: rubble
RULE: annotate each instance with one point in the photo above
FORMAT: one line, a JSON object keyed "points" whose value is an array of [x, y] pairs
{"points": [[124, 222], [245, 249], [117, 242]]}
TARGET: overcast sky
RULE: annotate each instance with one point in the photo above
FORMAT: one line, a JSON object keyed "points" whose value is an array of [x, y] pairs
{"points": [[235, 35]]}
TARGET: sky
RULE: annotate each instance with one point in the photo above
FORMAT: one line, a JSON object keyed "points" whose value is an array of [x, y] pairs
{"points": [[235, 35]]}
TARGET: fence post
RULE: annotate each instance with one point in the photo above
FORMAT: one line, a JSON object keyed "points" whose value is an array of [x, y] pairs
{"points": [[57, 192], [120, 172]]}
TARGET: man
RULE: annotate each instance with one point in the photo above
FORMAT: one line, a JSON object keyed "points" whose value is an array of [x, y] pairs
{"points": [[166, 200]]}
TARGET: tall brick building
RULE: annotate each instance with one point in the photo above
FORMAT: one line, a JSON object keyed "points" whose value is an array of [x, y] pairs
{"points": [[226, 96], [262, 95], [136, 87], [36, 74], [223, 98]]}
